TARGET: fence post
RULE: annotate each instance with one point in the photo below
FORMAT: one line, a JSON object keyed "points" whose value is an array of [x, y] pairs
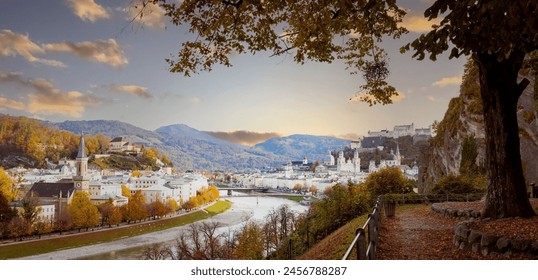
{"points": [[361, 244], [372, 236]]}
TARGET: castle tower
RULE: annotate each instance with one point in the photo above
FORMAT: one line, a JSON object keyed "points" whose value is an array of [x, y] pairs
{"points": [[331, 159], [81, 179]]}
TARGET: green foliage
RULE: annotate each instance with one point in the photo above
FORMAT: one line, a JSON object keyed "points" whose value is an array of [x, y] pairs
{"points": [[388, 180], [452, 184], [119, 162], [450, 122], [469, 152], [341, 204], [30, 208]]}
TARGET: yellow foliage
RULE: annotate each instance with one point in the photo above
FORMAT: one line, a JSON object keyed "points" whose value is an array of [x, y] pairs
{"points": [[136, 173], [172, 204], [125, 191], [83, 212], [7, 186]]}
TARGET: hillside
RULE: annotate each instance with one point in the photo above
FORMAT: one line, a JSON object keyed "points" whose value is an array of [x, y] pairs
{"points": [[464, 119], [192, 149], [298, 146], [31, 143], [111, 129], [189, 148]]}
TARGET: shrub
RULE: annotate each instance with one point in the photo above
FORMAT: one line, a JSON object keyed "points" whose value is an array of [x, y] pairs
{"points": [[452, 184]]}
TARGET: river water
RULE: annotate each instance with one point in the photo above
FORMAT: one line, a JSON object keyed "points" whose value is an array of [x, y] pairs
{"points": [[243, 208]]}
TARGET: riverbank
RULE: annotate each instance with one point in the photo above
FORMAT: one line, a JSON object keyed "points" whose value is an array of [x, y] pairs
{"points": [[65, 247], [131, 248]]}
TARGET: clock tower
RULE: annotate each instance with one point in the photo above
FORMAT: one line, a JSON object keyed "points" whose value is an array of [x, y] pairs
{"points": [[81, 180]]}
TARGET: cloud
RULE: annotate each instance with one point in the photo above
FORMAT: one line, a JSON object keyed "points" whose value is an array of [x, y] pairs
{"points": [[46, 99], [430, 98], [152, 15], [104, 51], [419, 24], [13, 44], [447, 81], [88, 10], [195, 100], [133, 90], [12, 104], [243, 137], [349, 136]]}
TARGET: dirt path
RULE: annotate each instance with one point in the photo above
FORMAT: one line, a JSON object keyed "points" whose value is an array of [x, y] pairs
{"points": [[419, 234]]}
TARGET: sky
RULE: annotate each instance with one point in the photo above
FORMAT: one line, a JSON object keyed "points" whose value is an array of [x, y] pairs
{"points": [[85, 60]]}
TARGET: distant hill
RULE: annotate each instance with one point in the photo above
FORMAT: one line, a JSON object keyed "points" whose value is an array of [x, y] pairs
{"points": [[192, 149], [298, 146], [189, 148], [110, 129]]}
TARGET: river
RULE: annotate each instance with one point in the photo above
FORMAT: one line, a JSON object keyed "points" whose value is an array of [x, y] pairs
{"points": [[243, 207]]}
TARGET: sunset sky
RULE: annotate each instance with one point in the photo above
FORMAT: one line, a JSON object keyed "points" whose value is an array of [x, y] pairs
{"points": [[84, 60]]}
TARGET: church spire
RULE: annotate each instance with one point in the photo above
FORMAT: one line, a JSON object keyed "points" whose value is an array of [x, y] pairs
{"points": [[81, 147]]}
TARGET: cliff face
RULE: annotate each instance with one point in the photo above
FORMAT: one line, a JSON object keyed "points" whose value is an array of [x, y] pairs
{"points": [[463, 119]]}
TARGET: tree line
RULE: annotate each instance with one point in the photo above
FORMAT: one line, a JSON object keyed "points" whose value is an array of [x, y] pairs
{"points": [[40, 142], [24, 221], [21, 135], [284, 234]]}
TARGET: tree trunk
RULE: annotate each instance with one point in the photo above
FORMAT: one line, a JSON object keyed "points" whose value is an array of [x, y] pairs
{"points": [[506, 190]]}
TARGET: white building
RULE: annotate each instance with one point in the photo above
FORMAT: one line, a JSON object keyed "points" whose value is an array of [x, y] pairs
{"points": [[349, 166], [101, 192], [180, 188], [402, 130], [122, 145]]}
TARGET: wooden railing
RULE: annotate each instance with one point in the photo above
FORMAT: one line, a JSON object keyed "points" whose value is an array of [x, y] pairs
{"points": [[367, 250], [372, 226]]}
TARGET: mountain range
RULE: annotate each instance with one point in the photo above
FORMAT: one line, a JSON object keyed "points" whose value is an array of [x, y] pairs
{"points": [[189, 148]]}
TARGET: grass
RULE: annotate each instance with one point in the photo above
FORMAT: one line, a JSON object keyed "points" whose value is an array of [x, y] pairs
{"points": [[334, 246], [54, 244]]}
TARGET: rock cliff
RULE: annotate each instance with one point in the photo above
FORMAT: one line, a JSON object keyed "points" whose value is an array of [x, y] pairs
{"points": [[464, 118]]}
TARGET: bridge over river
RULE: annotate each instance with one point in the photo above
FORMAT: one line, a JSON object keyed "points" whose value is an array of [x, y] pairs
{"points": [[257, 192]]}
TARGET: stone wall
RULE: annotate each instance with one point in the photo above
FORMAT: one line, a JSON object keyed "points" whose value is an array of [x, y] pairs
{"points": [[484, 243], [455, 213]]}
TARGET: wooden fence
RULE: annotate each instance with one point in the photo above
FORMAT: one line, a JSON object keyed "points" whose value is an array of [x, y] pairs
{"points": [[372, 226], [373, 223]]}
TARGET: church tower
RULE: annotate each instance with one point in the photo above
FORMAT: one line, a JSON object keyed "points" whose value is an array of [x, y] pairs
{"points": [[356, 162], [81, 179], [331, 159], [398, 156]]}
